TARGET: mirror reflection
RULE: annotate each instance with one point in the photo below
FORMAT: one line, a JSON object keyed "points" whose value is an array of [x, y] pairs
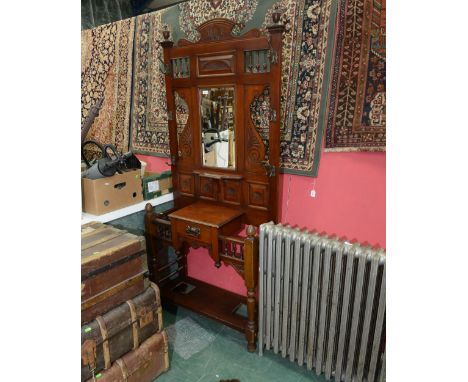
{"points": [[217, 127]]}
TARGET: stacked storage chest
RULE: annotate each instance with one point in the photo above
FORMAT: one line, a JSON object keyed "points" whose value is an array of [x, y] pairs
{"points": [[122, 335]]}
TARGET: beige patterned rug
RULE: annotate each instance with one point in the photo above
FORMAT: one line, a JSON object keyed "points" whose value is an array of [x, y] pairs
{"points": [[149, 130], [106, 71]]}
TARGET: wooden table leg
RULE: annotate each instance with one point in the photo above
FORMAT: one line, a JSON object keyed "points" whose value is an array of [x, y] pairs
{"points": [[251, 329], [251, 279]]}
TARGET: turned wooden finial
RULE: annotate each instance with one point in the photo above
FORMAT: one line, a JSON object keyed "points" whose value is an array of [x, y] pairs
{"points": [[148, 208], [166, 32], [276, 15], [251, 231]]}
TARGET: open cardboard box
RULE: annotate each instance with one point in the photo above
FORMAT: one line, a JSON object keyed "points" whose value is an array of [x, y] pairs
{"points": [[156, 184], [100, 196]]}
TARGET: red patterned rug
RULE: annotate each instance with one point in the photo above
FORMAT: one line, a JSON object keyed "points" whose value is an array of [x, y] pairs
{"points": [[356, 104]]}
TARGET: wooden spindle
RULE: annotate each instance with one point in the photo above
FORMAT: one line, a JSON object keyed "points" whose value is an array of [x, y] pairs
{"points": [[251, 280]]}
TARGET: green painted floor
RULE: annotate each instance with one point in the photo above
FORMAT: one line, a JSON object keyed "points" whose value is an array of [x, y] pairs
{"points": [[226, 357]]}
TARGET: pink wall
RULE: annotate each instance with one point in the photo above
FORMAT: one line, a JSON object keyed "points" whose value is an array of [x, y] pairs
{"points": [[349, 201], [154, 164]]}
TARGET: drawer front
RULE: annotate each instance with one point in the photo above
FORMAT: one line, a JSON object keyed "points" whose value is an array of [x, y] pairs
{"points": [[194, 231]]}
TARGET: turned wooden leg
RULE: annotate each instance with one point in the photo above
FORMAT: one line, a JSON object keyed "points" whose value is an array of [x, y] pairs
{"points": [[251, 329], [251, 277]]}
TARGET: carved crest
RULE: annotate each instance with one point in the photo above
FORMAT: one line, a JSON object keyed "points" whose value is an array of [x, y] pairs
{"points": [[217, 30]]}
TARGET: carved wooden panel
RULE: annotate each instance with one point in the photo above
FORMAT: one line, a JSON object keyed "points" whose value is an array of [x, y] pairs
{"points": [[208, 188], [186, 184], [185, 141], [255, 151], [216, 31], [261, 114], [258, 195], [184, 130], [216, 65], [232, 191]]}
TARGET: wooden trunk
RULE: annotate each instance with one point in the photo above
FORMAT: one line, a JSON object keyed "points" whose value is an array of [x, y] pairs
{"points": [[113, 268], [144, 364], [119, 331]]}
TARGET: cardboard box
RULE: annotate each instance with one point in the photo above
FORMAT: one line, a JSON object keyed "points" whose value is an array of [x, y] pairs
{"points": [[100, 196], [155, 184]]}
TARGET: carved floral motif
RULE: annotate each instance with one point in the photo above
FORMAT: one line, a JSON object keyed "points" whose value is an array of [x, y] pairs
{"points": [[184, 132], [260, 113], [182, 112]]}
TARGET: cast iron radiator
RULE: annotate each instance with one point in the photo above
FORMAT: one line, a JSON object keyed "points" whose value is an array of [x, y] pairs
{"points": [[322, 303]]}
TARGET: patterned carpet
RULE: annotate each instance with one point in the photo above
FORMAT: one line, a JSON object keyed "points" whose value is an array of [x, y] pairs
{"points": [[106, 70], [149, 131], [356, 114]]}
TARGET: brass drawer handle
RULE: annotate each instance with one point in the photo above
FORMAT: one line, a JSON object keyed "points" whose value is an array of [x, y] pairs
{"points": [[192, 231]]}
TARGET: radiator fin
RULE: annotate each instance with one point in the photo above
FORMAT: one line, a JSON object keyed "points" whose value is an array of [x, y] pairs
{"points": [[322, 303]]}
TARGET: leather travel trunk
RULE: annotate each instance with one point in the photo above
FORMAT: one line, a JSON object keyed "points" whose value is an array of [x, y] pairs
{"points": [[119, 331], [113, 268], [144, 364]]}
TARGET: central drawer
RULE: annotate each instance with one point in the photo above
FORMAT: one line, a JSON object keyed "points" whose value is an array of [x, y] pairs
{"points": [[194, 231]]}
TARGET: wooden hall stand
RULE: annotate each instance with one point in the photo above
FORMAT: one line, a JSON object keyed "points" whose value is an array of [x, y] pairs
{"points": [[223, 92]]}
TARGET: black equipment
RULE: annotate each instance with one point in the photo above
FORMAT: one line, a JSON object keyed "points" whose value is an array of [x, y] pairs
{"points": [[109, 163]]}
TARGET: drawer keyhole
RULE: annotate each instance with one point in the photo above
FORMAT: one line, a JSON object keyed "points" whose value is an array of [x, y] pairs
{"points": [[192, 231]]}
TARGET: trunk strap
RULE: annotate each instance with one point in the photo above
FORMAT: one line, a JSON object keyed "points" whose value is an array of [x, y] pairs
{"points": [[133, 313], [105, 342], [158, 302], [123, 368], [166, 350]]}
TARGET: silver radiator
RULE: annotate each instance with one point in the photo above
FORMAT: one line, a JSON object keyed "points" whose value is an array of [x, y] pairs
{"points": [[322, 303]]}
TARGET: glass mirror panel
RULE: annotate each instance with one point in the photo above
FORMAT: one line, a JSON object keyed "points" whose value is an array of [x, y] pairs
{"points": [[217, 127]]}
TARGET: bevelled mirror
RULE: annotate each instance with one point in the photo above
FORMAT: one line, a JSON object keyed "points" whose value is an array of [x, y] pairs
{"points": [[218, 127]]}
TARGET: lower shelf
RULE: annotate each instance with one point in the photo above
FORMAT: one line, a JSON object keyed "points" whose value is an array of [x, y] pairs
{"points": [[208, 300]]}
